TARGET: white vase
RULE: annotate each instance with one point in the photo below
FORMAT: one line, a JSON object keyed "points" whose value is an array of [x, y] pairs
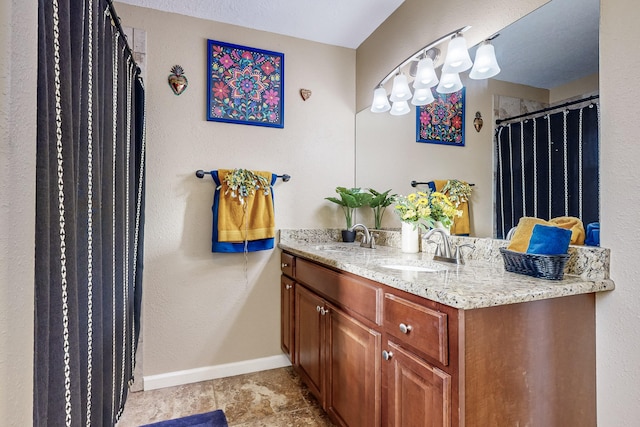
{"points": [[441, 226], [410, 238]]}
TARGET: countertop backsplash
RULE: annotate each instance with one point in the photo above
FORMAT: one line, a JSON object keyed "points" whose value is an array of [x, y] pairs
{"points": [[588, 262]]}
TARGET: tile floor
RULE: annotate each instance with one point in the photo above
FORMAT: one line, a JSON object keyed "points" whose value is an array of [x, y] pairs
{"points": [[269, 398]]}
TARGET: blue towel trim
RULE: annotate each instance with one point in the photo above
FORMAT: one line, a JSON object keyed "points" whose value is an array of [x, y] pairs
{"points": [[209, 419], [593, 234], [549, 240], [231, 247]]}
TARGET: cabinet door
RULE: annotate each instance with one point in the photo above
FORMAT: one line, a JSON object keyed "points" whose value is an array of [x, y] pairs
{"points": [[286, 317], [418, 393], [353, 371], [308, 339]]}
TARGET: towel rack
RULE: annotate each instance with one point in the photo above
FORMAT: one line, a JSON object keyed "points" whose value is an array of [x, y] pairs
{"points": [[416, 183], [200, 174]]}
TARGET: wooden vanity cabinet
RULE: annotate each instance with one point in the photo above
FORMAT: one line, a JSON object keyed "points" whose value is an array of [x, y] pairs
{"points": [[416, 366], [377, 356], [287, 284], [337, 350]]}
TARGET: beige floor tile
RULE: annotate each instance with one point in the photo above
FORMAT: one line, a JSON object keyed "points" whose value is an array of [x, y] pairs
{"points": [[275, 397]]}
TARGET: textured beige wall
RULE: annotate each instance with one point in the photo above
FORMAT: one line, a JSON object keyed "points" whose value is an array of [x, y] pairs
{"points": [[18, 68], [618, 334], [198, 308], [584, 86]]}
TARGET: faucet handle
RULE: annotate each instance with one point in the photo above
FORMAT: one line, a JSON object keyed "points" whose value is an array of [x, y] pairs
{"points": [[372, 240], [438, 251], [458, 252]]}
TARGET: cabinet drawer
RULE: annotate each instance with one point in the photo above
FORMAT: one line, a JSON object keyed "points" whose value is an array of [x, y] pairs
{"points": [[422, 328], [288, 264], [349, 292]]}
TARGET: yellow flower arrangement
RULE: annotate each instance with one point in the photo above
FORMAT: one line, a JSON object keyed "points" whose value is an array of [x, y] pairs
{"points": [[425, 209]]}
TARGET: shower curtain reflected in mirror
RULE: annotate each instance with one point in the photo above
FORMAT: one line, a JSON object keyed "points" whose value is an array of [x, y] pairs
{"points": [[548, 166], [89, 215]]}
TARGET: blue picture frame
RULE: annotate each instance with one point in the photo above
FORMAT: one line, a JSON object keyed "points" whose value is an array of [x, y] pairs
{"points": [[442, 121], [245, 85]]}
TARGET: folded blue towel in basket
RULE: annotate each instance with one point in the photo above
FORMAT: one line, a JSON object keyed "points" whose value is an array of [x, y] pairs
{"points": [[549, 240]]}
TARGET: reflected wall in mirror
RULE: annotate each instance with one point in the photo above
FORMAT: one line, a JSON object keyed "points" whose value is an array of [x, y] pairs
{"points": [[534, 47]]}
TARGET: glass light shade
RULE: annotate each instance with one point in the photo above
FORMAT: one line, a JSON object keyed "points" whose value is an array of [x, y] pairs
{"points": [[422, 96], [457, 59], [485, 66], [449, 83], [380, 102], [426, 75], [400, 91], [400, 108]]}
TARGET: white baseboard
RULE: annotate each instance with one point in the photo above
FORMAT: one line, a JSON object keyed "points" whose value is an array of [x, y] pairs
{"points": [[206, 373]]}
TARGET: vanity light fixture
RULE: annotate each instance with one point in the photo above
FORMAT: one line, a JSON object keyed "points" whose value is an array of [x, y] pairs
{"points": [[486, 65], [456, 61]]}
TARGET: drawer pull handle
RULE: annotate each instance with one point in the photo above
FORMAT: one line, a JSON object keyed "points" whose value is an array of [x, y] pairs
{"points": [[287, 287], [405, 329], [284, 265], [386, 355]]}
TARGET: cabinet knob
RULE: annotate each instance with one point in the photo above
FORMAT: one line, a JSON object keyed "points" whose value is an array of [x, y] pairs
{"points": [[324, 311], [284, 265], [288, 287], [386, 355], [318, 308], [405, 329]]}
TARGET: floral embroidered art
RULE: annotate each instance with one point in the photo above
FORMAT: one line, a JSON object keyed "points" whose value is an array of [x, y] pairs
{"points": [[442, 121], [245, 85]]}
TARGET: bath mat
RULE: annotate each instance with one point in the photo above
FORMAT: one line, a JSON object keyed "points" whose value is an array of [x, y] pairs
{"points": [[209, 419]]}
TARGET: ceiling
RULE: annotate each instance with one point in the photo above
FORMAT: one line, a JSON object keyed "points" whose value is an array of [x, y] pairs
{"points": [[553, 45], [345, 23]]}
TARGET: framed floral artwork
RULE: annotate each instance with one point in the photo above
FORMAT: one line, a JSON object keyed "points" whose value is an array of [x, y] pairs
{"points": [[442, 121], [245, 85]]}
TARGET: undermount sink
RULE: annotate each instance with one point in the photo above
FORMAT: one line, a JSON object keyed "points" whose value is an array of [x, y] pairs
{"points": [[415, 268]]}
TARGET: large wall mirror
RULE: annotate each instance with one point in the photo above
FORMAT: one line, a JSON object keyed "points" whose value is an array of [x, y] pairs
{"points": [[548, 56]]}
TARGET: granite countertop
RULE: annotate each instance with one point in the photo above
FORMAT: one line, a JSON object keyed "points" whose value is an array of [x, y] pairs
{"points": [[481, 282]]}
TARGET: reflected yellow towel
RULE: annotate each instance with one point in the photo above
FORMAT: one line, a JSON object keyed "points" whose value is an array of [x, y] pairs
{"points": [[574, 224], [461, 225], [236, 225], [520, 240]]}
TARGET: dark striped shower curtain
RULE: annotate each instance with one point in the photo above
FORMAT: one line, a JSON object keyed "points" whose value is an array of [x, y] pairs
{"points": [[547, 166], [89, 215]]}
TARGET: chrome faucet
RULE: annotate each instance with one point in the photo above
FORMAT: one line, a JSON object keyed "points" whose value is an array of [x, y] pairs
{"points": [[368, 239], [444, 248]]}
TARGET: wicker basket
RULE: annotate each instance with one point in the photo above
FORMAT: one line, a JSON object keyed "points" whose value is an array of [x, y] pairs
{"points": [[542, 266]]}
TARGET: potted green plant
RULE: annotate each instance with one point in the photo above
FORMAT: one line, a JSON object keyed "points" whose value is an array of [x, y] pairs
{"points": [[350, 199], [379, 202]]}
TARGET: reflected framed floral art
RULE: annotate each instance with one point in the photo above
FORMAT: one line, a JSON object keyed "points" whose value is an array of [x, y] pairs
{"points": [[245, 85], [442, 121]]}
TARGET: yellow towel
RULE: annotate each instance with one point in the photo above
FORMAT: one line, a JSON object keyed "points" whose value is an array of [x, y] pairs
{"points": [[232, 225], [522, 235], [574, 224], [461, 225]]}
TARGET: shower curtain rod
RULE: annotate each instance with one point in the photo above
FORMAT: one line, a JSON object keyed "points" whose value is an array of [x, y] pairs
{"points": [[115, 20], [566, 104]]}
